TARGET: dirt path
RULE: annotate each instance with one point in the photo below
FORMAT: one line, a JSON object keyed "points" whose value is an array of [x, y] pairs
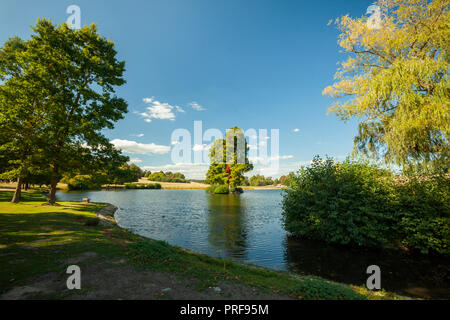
{"points": [[115, 279]]}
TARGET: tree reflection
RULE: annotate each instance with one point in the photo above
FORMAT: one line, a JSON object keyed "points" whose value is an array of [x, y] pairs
{"points": [[226, 226]]}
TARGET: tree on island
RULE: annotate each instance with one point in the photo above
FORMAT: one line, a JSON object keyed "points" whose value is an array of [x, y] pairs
{"points": [[229, 160], [396, 79], [63, 81]]}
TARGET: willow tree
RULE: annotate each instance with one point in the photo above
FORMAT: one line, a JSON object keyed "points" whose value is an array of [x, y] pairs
{"points": [[229, 159], [395, 80]]}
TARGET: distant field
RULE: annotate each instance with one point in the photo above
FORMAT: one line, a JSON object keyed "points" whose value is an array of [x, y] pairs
{"points": [[196, 185], [176, 185], [165, 185]]}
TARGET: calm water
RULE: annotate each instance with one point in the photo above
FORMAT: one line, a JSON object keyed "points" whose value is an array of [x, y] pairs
{"points": [[248, 228]]}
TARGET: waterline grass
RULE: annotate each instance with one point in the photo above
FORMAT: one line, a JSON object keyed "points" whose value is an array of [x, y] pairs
{"points": [[37, 239]]}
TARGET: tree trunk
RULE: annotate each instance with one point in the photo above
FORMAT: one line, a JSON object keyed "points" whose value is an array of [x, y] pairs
{"points": [[18, 192], [52, 195]]}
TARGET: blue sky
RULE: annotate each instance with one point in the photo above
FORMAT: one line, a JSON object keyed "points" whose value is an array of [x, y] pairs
{"points": [[253, 64]]}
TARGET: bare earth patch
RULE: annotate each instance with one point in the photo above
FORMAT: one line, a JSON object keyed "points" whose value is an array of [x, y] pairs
{"points": [[114, 280]]}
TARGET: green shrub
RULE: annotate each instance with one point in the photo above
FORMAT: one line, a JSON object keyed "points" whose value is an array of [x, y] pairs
{"points": [[424, 210], [343, 203], [218, 189], [360, 204], [142, 186], [221, 189], [237, 190], [82, 182]]}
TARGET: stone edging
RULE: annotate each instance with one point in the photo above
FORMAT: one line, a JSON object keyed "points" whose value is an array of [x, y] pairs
{"points": [[106, 215]]}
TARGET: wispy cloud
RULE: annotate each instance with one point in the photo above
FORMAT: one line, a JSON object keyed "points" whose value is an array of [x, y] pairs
{"points": [[194, 105], [134, 147], [296, 130], [179, 109], [200, 147], [268, 159], [159, 110], [135, 160], [139, 135]]}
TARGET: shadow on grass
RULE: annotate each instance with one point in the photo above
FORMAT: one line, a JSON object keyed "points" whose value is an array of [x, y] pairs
{"points": [[33, 195]]}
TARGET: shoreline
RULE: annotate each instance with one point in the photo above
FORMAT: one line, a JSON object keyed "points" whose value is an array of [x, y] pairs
{"points": [[110, 211], [86, 234]]}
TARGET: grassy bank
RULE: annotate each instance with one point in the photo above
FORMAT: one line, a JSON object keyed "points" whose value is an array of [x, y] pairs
{"points": [[37, 239]]}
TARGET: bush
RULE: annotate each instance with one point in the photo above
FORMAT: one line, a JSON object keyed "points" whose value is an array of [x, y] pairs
{"points": [[360, 204], [218, 189], [343, 203], [82, 182], [237, 190], [211, 188], [424, 213], [142, 186], [221, 189], [166, 177]]}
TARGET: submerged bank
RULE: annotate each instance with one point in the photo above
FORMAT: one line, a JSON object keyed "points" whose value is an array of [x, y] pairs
{"points": [[39, 242]]}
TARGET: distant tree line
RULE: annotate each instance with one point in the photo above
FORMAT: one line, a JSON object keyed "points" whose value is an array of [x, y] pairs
{"points": [[116, 176], [166, 176], [260, 180]]}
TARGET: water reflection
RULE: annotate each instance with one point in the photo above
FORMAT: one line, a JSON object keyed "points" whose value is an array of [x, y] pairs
{"points": [[401, 272], [226, 228]]}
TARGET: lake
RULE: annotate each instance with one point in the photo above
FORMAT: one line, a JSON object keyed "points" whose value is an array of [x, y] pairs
{"points": [[248, 228]]}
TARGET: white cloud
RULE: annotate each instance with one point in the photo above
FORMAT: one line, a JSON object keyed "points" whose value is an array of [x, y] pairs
{"points": [[198, 170], [281, 157], [296, 130], [159, 110], [267, 159], [174, 142], [283, 169], [140, 135], [134, 147], [200, 147], [194, 105], [179, 109], [135, 160]]}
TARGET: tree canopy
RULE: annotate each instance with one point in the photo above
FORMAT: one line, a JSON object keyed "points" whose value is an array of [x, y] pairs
{"points": [[229, 159], [396, 81], [57, 94]]}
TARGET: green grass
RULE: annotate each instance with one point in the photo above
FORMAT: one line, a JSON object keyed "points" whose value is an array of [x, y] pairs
{"points": [[36, 239]]}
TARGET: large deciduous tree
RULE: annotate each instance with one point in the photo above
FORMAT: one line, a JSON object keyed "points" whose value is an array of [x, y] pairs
{"points": [[21, 117], [68, 78], [396, 80], [229, 159]]}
